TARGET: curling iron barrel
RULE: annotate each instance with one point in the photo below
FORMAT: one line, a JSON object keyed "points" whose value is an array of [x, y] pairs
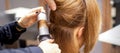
{"points": [[43, 27]]}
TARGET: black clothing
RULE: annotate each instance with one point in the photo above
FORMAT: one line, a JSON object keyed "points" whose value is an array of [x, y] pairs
{"points": [[9, 34], [23, 50]]}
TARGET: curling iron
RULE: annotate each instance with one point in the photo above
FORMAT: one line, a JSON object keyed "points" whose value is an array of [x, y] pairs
{"points": [[43, 27]]}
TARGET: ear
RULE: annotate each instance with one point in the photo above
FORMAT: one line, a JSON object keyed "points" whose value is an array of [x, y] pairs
{"points": [[80, 31]]}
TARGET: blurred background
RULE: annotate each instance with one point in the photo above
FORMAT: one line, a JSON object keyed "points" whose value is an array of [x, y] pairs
{"points": [[109, 38]]}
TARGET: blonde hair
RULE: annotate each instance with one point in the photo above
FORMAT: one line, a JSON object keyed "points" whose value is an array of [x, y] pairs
{"points": [[69, 15]]}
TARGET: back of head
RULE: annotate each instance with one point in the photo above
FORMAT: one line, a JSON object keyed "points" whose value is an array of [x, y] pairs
{"points": [[69, 15]]}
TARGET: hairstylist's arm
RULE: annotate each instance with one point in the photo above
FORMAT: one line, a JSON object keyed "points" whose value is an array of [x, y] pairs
{"points": [[10, 32], [48, 46]]}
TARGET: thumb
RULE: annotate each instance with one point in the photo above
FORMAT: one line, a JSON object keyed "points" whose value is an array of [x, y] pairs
{"points": [[51, 4], [50, 40]]}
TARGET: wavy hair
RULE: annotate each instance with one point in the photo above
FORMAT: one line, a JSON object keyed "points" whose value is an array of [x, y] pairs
{"points": [[69, 15]]}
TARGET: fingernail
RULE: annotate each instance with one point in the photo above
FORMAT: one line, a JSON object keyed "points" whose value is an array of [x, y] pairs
{"points": [[53, 8]]}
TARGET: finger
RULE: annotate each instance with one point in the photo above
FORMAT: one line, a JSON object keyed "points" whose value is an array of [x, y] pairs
{"points": [[40, 10], [36, 10], [51, 4], [50, 40], [31, 15]]}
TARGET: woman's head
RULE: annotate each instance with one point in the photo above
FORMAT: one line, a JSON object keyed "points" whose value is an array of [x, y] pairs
{"points": [[75, 23]]}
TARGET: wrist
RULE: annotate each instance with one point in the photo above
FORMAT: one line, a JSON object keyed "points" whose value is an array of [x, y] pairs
{"points": [[19, 27], [19, 22]]}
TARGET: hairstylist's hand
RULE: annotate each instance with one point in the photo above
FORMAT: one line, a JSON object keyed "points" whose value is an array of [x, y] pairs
{"points": [[30, 18], [49, 47], [51, 4]]}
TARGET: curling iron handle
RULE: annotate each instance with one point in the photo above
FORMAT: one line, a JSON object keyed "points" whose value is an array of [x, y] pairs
{"points": [[44, 37], [43, 27]]}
